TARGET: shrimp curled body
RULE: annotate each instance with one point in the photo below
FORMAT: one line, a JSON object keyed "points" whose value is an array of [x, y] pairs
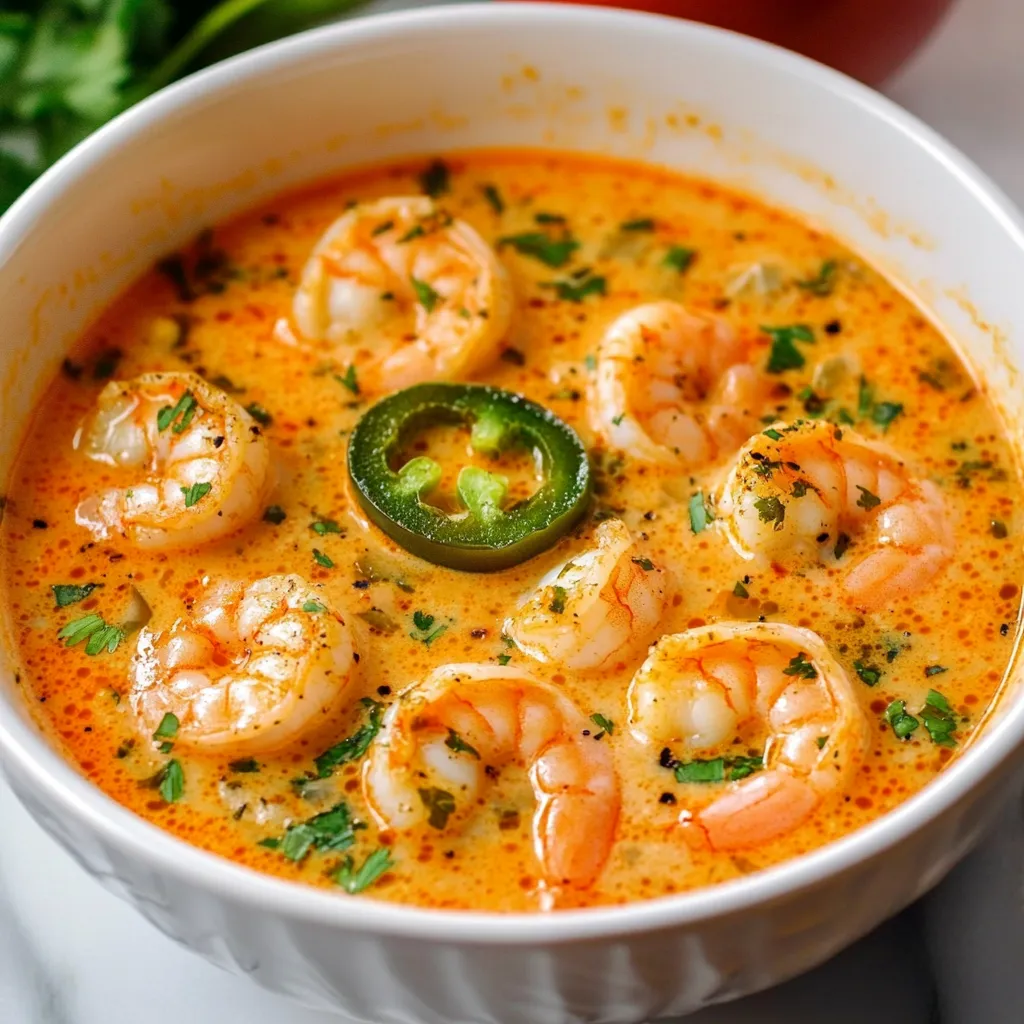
{"points": [[700, 688], [674, 387], [256, 666], [503, 715], [602, 603], [810, 493], [393, 264], [199, 462]]}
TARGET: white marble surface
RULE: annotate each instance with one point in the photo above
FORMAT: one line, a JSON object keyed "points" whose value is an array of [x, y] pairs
{"points": [[72, 954]]}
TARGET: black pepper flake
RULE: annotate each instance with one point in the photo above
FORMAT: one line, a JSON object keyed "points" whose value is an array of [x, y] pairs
{"points": [[40, 524], [361, 584], [1004, 629], [833, 327], [478, 633], [383, 691], [667, 798]]}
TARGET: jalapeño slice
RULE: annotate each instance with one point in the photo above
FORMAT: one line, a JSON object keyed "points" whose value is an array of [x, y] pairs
{"points": [[485, 534]]}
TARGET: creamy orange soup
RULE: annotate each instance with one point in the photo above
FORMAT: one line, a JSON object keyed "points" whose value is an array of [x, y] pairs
{"points": [[779, 442]]}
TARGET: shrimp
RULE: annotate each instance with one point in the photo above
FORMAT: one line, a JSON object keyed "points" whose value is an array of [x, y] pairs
{"points": [[674, 387], [385, 263], [198, 462], [602, 603], [255, 666], [805, 493], [499, 714], [698, 689]]}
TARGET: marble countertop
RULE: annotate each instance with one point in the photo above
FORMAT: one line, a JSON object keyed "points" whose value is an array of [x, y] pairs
{"points": [[70, 953]]}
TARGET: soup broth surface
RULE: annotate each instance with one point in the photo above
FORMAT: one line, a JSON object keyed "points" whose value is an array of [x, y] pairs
{"points": [[862, 359]]}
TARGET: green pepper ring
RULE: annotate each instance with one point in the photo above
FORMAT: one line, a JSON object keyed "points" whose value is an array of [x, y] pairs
{"points": [[466, 541]]}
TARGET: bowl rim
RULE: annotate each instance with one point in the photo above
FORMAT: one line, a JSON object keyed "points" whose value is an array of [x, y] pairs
{"points": [[40, 766]]}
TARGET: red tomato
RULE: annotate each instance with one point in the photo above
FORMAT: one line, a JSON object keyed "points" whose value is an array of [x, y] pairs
{"points": [[866, 38]]}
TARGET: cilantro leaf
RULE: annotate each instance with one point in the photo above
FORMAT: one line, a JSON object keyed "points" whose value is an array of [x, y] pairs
{"points": [[440, 804], [355, 880], [823, 283], [425, 296], [93, 629], [353, 747], [552, 252], [331, 830], [70, 593], [606, 724], [679, 258], [459, 745], [700, 515], [784, 354]]}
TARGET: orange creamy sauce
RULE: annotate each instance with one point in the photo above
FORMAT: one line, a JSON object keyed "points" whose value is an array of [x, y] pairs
{"points": [[964, 621]]}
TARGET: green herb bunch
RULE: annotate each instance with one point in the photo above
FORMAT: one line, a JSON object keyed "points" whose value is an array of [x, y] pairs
{"points": [[68, 66]]}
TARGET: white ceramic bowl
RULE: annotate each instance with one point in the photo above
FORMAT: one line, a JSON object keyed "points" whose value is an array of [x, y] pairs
{"points": [[666, 91]]}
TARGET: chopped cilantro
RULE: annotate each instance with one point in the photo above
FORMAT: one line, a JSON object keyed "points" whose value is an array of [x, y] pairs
{"points": [[70, 593], [493, 196], [559, 594], [935, 670], [939, 720], [348, 378], [884, 413], [168, 727], [867, 500], [195, 493], [903, 724], [645, 563], [244, 766], [259, 414], [784, 354], [799, 666], [330, 831], [99, 634], [552, 252], [425, 296], [577, 291], [679, 258], [843, 542], [740, 591], [321, 559], [639, 224], [824, 282], [590, 362], [178, 416], [867, 673], [274, 514], [355, 880], [459, 745], [313, 607], [324, 526], [439, 803], [353, 747], [171, 782], [603, 723], [771, 510], [773, 434], [717, 769], [700, 514], [425, 632]]}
